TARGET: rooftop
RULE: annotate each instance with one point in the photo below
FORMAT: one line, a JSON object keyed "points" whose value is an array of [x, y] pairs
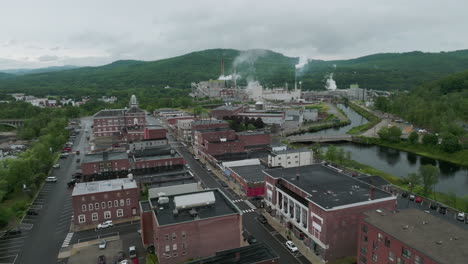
{"points": [[327, 187], [255, 253], [221, 206], [435, 237], [103, 186], [152, 121], [251, 173], [228, 107], [173, 189], [104, 156], [290, 151], [110, 113], [374, 180], [254, 132], [208, 122], [155, 154]]}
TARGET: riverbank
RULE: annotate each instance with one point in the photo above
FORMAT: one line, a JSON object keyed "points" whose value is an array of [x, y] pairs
{"points": [[318, 127], [373, 120], [459, 158]]}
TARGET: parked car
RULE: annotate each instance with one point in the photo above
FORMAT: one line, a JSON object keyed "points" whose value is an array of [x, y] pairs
{"points": [[102, 259], [224, 184], [78, 160], [12, 232], [51, 179], [102, 244], [443, 210], [77, 175], [433, 206], [290, 245], [77, 152], [404, 195], [105, 224], [251, 239], [411, 197], [262, 220], [32, 212], [132, 252], [418, 199], [195, 157], [461, 216], [56, 166]]}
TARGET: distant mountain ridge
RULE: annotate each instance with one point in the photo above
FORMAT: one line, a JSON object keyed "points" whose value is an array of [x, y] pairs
{"points": [[38, 70], [385, 71]]}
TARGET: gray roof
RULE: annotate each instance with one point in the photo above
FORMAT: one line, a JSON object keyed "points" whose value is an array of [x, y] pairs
{"points": [[254, 132], [423, 237], [110, 113], [172, 190], [326, 187], [251, 173], [102, 156], [255, 253], [103, 186], [290, 151], [222, 206], [134, 110], [207, 122], [374, 180], [145, 206]]}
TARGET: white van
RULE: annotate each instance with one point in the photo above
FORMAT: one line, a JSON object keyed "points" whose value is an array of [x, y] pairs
{"points": [[132, 252]]}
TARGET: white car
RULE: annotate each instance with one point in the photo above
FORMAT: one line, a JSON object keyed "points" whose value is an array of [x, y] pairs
{"points": [[105, 224], [461, 216], [290, 245], [102, 244], [51, 179], [56, 166]]}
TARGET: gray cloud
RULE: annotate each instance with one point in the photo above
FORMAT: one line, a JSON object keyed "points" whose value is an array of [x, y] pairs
{"points": [[113, 30]]}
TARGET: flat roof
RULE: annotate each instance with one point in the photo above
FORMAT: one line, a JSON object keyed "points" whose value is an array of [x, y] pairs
{"points": [[103, 186], [438, 239], [207, 122], [290, 151], [374, 180], [251, 173], [255, 253], [254, 132], [101, 156], [327, 187], [222, 206], [173, 189], [109, 113]]}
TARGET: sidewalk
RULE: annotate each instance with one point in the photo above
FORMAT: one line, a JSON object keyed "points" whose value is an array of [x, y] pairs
{"points": [[74, 228]]}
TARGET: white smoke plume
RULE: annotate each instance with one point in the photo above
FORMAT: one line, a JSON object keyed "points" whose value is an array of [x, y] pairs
{"points": [[301, 66], [330, 84], [229, 77], [248, 57]]}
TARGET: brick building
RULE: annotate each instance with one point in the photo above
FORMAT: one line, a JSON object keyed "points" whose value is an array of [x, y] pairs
{"points": [[227, 110], [125, 123], [410, 236], [248, 175], [95, 202], [190, 226], [322, 207], [105, 162]]}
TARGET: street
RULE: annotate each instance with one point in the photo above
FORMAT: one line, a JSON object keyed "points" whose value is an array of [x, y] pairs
{"points": [[43, 235]]}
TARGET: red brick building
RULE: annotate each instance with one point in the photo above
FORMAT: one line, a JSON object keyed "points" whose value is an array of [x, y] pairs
{"points": [[227, 110], [112, 162], [95, 202], [190, 226], [209, 124], [410, 236], [322, 207], [248, 175]]}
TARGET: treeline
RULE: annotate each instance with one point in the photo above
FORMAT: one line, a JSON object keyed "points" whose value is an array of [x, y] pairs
{"points": [[27, 172], [239, 123]]}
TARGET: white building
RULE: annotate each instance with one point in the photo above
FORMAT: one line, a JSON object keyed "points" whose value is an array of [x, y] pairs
{"points": [[146, 144], [256, 92], [290, 158], [184, 129]]}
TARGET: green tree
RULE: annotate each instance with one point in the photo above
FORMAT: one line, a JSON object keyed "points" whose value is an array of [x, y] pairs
{"points": [[251, 127], [413, 137], [429, 177], [430, 139], [450, 144], [414, 179], [391, 134]]}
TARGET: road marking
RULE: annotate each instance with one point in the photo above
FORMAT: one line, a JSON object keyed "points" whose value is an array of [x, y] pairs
{"points": [[10, 256], [67, 240], [26, 226], [10, 242], [248, 211], [17, 246], [237, 201], [250, 204]]}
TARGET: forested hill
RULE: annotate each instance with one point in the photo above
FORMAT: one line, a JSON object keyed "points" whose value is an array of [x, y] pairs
{"points": [[39, 70], [390, 71], [4, 75]]}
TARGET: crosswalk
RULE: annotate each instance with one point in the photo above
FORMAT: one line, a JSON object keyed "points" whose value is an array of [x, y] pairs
{"points": [[248, 211], [237, 201], [67, 240]]}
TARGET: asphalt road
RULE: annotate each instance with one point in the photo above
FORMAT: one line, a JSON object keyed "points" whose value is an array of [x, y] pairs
{"points": [[44, 234], [263, 233]]}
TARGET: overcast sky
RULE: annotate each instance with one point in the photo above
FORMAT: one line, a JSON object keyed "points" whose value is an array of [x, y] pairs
{"points": [[94, 32]]}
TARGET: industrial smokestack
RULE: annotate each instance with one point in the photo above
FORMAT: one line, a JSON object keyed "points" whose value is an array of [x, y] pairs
{"points": [[222, 67]]}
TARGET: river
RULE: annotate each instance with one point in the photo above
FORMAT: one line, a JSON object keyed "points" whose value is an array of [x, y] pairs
{"points": [[399, 163]]}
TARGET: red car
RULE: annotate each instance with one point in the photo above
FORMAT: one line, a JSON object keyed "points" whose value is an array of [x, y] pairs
{"points": [[418, 199], [135, 261], [67, 149]]}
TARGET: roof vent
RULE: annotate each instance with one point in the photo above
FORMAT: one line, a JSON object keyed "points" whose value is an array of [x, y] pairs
{"points": [[439, 242], [405, 227], [193, 212], [454, 238], [425, 223], [378, 211], [161, 208], [163, 200]]}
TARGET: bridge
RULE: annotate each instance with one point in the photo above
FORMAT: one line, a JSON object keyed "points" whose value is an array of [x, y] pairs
{"points": [[12, 122], [319, 139]]}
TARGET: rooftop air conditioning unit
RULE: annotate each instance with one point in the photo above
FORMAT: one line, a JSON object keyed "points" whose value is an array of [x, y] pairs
{"points": [[163, 200]]}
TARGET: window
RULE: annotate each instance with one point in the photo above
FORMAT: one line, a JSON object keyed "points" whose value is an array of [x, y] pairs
{"points": [[391, 256], [128, 201], [122, 202], [107, 214], [362, 260], [364, 250], [380, 237], [184, 235], [174, 236], [374, 257], [418, 260], [103, 205], [83, 208], [119, 212], [116, 203], [94, 216], [168, 248], [166, 237], [405, 253], [375, 245], [364, 238], [387, 242], [400, 261], [96, 205], [174, 247], [183, 245], [109, 204], [364, 228], [81, 219], [90, 207]]}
